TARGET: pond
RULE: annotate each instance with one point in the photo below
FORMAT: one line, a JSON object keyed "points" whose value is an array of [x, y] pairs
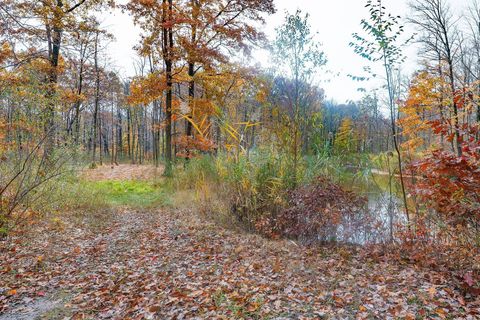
{"points": [[384, 205]]}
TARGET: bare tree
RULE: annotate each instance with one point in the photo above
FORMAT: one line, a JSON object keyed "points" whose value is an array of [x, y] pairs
{"points": [[472, 49], [441, 41]]}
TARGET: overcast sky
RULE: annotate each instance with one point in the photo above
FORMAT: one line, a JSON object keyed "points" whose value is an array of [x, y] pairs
{"points": [[334, 20]]}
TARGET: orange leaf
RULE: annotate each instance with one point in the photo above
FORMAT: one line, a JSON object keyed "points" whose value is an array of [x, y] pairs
{"points": [[154, 308], [409, 317], [12, 292]]}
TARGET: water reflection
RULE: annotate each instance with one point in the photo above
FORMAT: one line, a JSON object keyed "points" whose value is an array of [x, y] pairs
{"points": [[384, 206]]}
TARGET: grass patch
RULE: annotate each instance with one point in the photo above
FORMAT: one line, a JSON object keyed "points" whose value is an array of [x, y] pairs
{"points": [[80, 195], [137, 194]]}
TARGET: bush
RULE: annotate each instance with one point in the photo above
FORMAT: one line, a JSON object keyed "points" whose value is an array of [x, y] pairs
{"points": [[320, 212], [27, 180], [450, 185]]}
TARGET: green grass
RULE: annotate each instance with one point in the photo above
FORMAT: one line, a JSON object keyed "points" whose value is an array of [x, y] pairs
{"points": [[137, 194], [76, 194]]}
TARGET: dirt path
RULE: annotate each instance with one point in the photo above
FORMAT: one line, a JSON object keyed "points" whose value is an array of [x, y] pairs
{"points": [[123, 172], [161, 265]]}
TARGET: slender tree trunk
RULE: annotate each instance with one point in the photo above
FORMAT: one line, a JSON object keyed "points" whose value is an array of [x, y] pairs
{"points": [[78, 103], [191, 70], [456, 125], [96, 103], [129, 129], [167, 55], [119, 134], [191, 102], [394, 133], [55, 39], [112, 161]]}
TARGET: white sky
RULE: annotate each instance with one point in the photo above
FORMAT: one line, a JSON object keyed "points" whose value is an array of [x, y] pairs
{"points": [[334, 20]]}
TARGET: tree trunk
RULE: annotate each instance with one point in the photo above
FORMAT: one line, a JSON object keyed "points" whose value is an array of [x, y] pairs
{"points": [[96, 103], [167, 56], [54, 35]]}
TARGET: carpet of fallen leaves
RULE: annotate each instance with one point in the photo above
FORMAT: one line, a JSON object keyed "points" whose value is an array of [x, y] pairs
{"points": [[173, 265]]}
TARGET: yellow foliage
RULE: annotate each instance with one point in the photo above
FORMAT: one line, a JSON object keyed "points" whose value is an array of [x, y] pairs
{"points": [[422, 105], [345, 139], [5, 52]]}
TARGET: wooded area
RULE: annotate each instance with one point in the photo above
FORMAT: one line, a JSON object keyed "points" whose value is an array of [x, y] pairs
{"points": [[208, 187]]}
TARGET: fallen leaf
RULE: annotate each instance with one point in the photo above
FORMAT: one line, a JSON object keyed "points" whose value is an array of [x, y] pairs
{"points": [[154, 309], [12, 292]]}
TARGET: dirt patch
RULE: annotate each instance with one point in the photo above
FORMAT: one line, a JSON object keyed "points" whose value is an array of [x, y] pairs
{"points": [[123, 172], [43, 308]]}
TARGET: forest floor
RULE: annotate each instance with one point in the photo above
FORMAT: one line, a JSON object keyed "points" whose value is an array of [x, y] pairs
{"points": [[171, 263]]}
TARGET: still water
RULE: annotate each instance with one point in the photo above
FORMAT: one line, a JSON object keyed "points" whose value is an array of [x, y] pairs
{"points": [[384, 209]]}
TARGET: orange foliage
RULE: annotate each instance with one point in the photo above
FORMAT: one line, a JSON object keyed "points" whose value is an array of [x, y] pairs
{"points": [[3, 131], [450, 183], [144, 90], [70, 97], [193, 146], [5, 52], [421, 106]]}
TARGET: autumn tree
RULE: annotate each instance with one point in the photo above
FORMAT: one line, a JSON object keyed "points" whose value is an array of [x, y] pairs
{"points": [[470, 54], [345, 139], [81, 52], [24, 166], [420, 108], [374, 123], [158, 20], [281, 91], [441, 43], [99, 37], [202, 32], [215, 30], [41, 27]]}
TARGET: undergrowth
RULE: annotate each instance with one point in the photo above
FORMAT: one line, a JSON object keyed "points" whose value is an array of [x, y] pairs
{"points": [[243, 191]]}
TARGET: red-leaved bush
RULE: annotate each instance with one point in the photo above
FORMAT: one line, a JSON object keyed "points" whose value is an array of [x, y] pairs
{"points": [[319, 212], [450, 183], [448, 235]]}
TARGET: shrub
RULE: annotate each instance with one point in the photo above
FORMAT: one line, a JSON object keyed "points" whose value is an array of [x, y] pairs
{"points": [[319, 212], [450, 185], [27, 181]]}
